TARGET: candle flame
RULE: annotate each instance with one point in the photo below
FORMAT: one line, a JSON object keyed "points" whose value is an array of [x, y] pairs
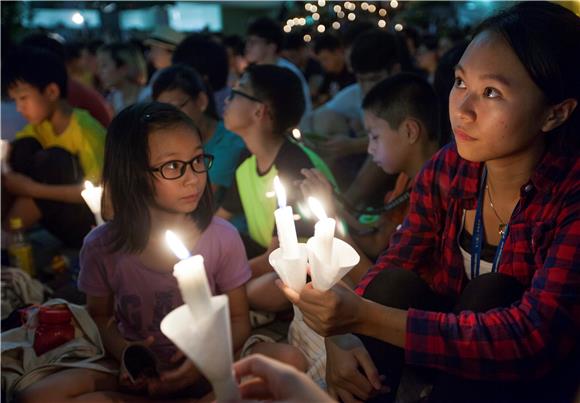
{"points": [[89, 185], [296, 134], [317, 208], [176, 245], [280, 192]]}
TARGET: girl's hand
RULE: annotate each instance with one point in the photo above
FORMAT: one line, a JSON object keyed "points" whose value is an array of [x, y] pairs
{"points": [[336, 311], [126, 381], [176, 379], [315, 184], [350, 371]]}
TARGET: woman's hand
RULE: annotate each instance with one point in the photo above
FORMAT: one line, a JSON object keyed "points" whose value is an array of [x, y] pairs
{"points": [[336, 311], [350, 371], [273, 380], [315, 184]]}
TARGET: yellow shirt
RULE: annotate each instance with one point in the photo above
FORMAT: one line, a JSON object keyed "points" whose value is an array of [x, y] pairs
{"points": [[84, 137]]}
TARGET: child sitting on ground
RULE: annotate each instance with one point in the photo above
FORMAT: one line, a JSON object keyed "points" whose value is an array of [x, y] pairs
{"points": [[156, 175], [55, 153]]}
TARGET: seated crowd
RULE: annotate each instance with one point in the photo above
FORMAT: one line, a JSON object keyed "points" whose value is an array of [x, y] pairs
{"points": [[452, 169]]}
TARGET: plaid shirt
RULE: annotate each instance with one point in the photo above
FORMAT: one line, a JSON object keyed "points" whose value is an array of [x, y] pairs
{"points": [[542, 251]]}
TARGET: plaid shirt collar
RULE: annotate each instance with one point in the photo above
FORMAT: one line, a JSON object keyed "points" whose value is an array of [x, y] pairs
{"points": [[547, 175]]}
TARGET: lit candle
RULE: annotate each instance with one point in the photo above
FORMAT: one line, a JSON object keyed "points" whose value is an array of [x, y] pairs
{"points": [[191, 277], [323, 231], [92, 196], [285, 224]]}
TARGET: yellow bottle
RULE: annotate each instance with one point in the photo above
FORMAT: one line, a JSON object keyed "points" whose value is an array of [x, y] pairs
{"points": [[20, 250]]}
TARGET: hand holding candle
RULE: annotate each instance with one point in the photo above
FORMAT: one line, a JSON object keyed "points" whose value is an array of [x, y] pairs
{"points": [[193, 327], [92, 196], [285, 223]]}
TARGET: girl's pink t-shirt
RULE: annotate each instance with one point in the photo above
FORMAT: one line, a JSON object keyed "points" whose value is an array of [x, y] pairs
{"points": [[143, 296]]}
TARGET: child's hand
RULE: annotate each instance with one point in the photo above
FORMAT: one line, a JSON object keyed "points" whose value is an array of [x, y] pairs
{"points": [[19, 184], [176, 379], [315, 184], [138, 382]]}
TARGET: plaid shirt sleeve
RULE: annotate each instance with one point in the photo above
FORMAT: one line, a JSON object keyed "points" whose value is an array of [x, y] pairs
{"points": [[522, 341], [412, 247]]}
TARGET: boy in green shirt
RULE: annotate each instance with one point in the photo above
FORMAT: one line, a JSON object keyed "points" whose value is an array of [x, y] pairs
{"points": [[55, 153], [263, 107]]}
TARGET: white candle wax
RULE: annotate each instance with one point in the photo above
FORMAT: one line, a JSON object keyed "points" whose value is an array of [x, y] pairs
{"points": [[92, 196], [324, 235], [285, 224], [193, 284], [323, 232]]}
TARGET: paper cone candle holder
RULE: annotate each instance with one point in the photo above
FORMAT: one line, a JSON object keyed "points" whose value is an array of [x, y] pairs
{"points": [[92, 196], [292, 271], [197, 339], [325, 274], [193, 326]]}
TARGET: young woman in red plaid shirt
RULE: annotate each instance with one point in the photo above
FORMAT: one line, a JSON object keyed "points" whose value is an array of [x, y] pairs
{"points": [[481, 285]]}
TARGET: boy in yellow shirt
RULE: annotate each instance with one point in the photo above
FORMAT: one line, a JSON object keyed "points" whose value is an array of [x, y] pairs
{"points": [[55, 153]]}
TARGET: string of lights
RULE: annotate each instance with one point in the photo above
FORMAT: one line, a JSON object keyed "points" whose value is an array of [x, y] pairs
{"points": [[325, 15]]}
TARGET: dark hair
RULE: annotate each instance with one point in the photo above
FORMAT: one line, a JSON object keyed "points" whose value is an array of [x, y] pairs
{"points": [[443, 83], [328, 42], [281, 89], [355, 29], [267, 29], [405, 95], [36, 67], [126, 175], [94, 45], [206, 56], [234, 42], [374, 51], [544, 36], [293, 41], [53, 43], [186, 79]]}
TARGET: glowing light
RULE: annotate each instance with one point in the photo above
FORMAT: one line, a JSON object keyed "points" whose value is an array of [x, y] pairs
{"points": [[382, 12], [398, 27], [317, 208], [336, 25], [340, 14], [280, 192], [307, 38], [337, 8], [176, 246], [351, 16], [315, 16], [321, 28], [77, 18], [290, 23], [394, 3], [296, 134], [302, 21], [364, 5], [307, 6], [382, 23], [313, 9], [372, 8], [321, 3], [287, 28]]}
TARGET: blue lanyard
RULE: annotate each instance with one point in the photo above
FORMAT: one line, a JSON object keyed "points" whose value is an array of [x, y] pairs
{"points": [[477, 239]]}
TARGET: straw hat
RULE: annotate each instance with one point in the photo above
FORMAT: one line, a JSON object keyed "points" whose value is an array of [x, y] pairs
{"points": [[164, 37]]}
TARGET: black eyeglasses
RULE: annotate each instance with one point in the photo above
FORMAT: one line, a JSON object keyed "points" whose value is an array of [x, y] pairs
{"points": [[235, 92], [176, 169]]}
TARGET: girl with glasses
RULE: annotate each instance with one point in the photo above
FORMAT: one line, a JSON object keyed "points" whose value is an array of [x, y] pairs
{"points": [[182, 86], [156, 176]]}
